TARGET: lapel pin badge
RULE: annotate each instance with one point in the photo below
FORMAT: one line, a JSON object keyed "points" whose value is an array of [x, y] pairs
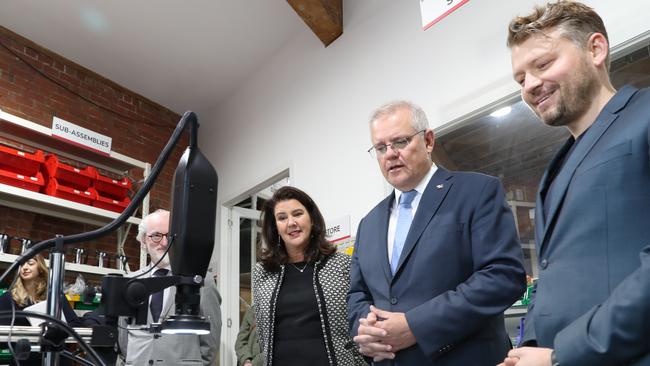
{"points": [[439, 186]]}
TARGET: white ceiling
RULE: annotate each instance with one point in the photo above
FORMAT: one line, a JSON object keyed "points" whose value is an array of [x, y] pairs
{"points": [[183, 54]]}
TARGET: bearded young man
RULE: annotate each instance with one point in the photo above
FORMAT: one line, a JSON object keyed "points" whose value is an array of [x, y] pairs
{"points": [[591, 304]]}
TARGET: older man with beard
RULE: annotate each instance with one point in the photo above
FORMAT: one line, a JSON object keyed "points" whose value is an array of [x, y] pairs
{"points": [[592, 300], [144, 348]]}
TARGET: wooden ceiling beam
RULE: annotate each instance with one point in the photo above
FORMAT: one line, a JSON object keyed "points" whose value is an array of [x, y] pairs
{"points": [[324, 17]]}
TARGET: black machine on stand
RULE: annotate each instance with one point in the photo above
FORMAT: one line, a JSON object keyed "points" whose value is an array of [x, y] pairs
{"points": [[192, 229]]}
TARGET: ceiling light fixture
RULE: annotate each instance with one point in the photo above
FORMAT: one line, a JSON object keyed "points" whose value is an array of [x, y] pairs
{"points": [[501, 112]]}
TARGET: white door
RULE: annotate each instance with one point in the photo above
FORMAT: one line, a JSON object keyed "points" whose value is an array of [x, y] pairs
{"points": [[234, 280]]}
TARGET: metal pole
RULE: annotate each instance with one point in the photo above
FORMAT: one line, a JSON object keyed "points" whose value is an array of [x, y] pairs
{"points": [[54, 287]]}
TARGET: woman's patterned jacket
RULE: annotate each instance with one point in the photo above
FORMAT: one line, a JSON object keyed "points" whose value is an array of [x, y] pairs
{"points": [[331, 283]]}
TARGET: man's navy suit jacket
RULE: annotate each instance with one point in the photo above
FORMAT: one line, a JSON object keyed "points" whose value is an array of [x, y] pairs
{"points": [[460, 268], [592, 298]]}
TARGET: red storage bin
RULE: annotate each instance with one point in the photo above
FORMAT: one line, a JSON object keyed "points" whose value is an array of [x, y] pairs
{"points": [[112, 188], [33, 183], [55, 189], [68, 175], [110, 204], [21, 162]]}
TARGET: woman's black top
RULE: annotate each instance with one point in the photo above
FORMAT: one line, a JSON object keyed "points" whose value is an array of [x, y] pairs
{"points": [[34, 358], [298, 334], [5, 305]]}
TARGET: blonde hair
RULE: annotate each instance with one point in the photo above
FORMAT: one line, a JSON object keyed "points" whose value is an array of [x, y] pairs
{"points": [[19, 292], [576, 22]]}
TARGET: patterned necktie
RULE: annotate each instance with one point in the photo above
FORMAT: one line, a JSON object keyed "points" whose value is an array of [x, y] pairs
{"points": [[157, 298], [404, 219]]}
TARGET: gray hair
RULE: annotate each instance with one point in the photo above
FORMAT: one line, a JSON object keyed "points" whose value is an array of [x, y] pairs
{"points": [[419, 119], [142, 227]]}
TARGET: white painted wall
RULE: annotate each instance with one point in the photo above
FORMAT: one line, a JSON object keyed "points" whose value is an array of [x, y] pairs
{"points": [[307, 107]]}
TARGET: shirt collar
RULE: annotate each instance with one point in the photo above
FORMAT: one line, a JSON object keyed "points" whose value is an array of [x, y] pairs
{"points": [[168, 267], [421, 186]]}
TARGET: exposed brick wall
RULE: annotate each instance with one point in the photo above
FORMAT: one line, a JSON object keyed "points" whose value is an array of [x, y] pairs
{"points": [[139, 128]]}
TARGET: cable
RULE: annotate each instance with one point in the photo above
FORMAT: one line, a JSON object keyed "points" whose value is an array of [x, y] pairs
{"points": [[87, 100], [13, 320], [75, 358], [71, 332]]}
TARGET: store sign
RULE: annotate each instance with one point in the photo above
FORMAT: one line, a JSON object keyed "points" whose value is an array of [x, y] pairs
{"points": [[434, 10], [338, 229], [80, 136]]}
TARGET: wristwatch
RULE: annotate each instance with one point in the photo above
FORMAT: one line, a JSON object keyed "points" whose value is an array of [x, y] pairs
{"points": [[554, 361]]}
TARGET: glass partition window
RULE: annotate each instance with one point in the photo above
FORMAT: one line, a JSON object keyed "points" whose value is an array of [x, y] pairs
{"points": [[509, 142]]}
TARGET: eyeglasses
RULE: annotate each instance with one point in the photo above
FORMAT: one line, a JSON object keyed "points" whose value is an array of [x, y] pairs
{"points": [[157, 237], [398, 144]]}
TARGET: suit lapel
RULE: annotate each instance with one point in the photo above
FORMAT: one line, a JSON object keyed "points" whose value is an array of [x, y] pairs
{"points": [[540, 219], [168, 301], [384, 216], [604, 120], [432, 197]]}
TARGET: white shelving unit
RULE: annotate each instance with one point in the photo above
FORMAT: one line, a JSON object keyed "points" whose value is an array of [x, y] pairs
{"points": [[38, 136], [23, 199], [74, 267]]}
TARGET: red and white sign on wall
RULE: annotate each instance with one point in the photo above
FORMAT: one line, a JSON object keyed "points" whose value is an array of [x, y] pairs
{"points": [[434, 10], [337, 230]]}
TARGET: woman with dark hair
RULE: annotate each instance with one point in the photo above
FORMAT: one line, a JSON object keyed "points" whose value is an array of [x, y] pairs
{"points": [[299, 287]]}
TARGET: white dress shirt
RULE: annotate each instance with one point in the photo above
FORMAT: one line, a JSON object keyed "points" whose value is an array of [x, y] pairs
{"points": [[392, 221]]}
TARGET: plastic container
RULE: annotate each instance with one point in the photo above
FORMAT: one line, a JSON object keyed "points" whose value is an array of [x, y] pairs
{"points": [[112, 188], [110, 204], [55, 189], [32, 183], [21, 162], [81, 306], [69, 175], [93, 304], [73, 298], [5, 355]]}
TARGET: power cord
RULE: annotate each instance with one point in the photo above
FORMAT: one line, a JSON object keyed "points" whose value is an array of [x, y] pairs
{"points": [[13, 320], [71, 332]]}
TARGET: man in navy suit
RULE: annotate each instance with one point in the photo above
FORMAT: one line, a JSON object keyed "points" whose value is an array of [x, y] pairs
{"points": [[592, 300], [437, 295]]}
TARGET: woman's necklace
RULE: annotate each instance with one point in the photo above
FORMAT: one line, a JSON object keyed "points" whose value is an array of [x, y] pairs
{"points": [[301, 270]]}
